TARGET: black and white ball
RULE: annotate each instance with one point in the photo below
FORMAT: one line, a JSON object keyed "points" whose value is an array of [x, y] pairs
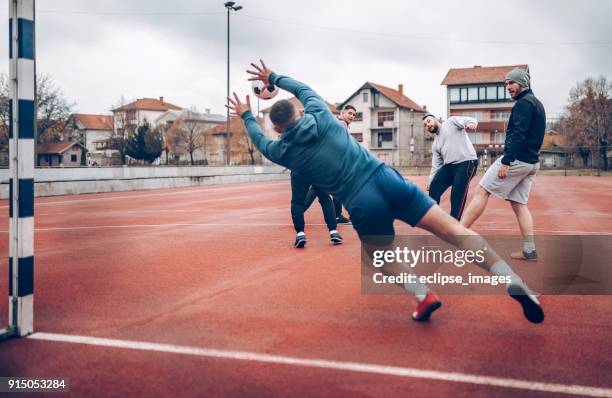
{"points": [[264, 92]]}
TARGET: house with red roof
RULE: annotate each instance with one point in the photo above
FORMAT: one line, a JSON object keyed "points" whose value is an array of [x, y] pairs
{"points": [[389, 124], [90, 130], [62, 154], [242, 149], [129, 116], [479, 92]]}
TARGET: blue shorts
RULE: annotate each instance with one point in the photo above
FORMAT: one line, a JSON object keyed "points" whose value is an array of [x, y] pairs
{"points": [[385, 197]]}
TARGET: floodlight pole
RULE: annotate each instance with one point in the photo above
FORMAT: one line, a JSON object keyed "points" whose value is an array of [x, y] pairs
{"points": [[230, 6]]}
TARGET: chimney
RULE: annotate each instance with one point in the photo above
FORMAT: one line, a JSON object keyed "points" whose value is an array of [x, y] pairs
{"points": [[161, 99], [400, 88], [208, 111]]}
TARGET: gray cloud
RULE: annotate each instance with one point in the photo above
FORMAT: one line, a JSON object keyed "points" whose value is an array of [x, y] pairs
{"points": [[333, 46]]}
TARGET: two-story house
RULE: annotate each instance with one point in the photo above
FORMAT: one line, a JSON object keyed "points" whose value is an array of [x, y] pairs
{"points": [[184, 134], [129, 116], [389, 124], [90, 130], [479, 92]]}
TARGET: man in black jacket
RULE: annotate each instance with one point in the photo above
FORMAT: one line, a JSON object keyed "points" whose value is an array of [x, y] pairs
{"points": [[511, 176]]}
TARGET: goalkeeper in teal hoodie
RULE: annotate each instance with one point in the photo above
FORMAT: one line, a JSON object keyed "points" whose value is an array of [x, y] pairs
{"points": [[321, 150]]}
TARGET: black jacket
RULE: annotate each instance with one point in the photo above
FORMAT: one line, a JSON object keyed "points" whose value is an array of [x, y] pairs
{"points": [[525, 131]]}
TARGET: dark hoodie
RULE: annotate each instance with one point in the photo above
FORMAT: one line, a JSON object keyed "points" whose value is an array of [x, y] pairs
{"points": [[317, 147], [525, 131]]}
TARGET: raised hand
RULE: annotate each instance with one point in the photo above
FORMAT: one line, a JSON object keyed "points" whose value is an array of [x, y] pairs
{"points": [[260, 73], [237, 107]]}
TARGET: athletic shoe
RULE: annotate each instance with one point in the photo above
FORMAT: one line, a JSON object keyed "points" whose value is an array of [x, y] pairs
{"points": [[335, 238], [343, 220], [531, 306], [523, 255], [426, 307], [300, 241]]}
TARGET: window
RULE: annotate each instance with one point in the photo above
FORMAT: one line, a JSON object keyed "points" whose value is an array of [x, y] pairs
{"points": [[482, 93], [358, 136], [501, 116], [501, 92], [491, 93], [464, 95], [476, 115], [500, 138], [454, 95], [385, 116], [376, 100], [473, 94], [365, 96], [73, 158], [358, 117], [385, 137]]}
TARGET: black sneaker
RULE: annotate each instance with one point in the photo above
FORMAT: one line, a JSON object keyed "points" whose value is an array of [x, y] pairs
{"points": [[300, 241], [343, 220], [531, 306], [335, 238]]}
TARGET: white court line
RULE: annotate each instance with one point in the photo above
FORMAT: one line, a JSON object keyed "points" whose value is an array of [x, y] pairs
{"points": [[481, 232], [183, 192], [334, 365], [163, 225]]}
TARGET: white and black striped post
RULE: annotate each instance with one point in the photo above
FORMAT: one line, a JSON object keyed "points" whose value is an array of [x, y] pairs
{"points": [[22, 134]]}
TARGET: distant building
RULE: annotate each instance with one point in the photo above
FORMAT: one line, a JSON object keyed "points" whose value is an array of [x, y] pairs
{"points": [[479, 92], [389, 124], [89, 130], [243, 151], [129, 116], [185, 130], [63, 153]]}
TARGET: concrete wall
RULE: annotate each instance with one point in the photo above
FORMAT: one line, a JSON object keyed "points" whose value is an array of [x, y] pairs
{"points": [[79, 180]]}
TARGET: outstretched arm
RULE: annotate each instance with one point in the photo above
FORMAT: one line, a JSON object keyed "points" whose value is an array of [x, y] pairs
{"points": [[464, 122], [307, 96], [269, 148]]}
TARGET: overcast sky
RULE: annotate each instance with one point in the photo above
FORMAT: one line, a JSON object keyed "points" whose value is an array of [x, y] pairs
{"points": [[99, 51]]}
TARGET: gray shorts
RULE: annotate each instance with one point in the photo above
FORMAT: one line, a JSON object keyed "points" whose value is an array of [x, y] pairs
{"points": [[517, 184]]}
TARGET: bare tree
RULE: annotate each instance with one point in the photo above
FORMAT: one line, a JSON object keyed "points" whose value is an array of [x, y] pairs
{"points": [[190, 134], [53, 110], [589, 119], [247, 143], [122, 129], [4, 112]]}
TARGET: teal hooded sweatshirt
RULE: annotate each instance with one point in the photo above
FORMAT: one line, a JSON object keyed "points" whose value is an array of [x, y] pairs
{"points": [[317, 147]]}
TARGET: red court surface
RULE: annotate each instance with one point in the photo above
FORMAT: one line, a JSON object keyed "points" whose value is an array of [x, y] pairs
{"points": [[209, 275]]}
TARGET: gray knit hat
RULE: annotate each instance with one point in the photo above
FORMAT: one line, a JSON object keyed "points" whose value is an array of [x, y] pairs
{"points": [[519, 75]]}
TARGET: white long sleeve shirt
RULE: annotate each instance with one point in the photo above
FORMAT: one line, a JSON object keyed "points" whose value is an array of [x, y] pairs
{"points": [[452, 144]]}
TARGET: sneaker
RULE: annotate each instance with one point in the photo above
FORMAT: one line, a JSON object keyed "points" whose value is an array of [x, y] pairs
{"points": [[531, 306], [335, 238], [300, 241], [523, 255], [343, 220], [426, 307]]}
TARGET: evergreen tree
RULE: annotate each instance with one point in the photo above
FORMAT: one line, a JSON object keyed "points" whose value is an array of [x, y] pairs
{"points": [[144, 144]]}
